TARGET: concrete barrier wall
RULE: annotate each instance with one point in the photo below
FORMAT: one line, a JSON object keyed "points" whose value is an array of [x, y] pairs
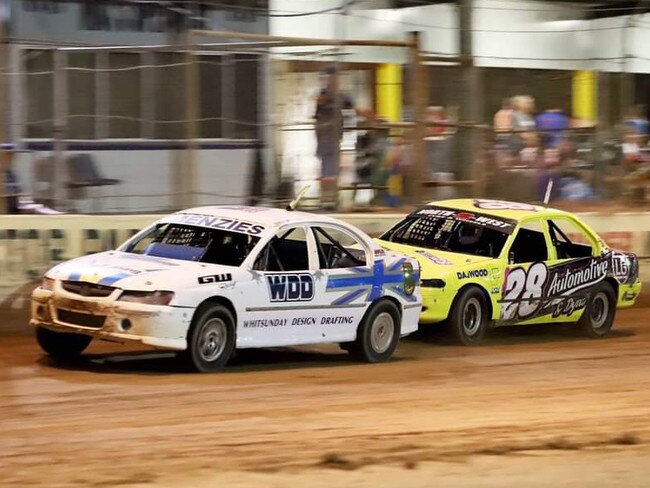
{"points": [[29, 245]]}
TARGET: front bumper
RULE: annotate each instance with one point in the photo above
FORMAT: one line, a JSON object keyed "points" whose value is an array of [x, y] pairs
{"points": [[163, 327], [436, 304]]}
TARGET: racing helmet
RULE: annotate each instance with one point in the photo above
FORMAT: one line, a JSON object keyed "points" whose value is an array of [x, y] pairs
{"points": [[469, 234]]}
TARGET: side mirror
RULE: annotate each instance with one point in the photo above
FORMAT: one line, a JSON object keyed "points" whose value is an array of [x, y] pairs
{"points": [[511, 257]]}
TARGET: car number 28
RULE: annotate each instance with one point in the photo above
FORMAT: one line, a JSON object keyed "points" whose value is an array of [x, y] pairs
{"points": [[523, 291]]}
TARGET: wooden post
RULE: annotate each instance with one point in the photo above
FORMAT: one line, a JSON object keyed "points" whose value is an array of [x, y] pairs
{"points": [[468, 139], [604, 100], [3, 111], [228, 96], [147, 95], [192, 92], [60, 174], [419, 101]]}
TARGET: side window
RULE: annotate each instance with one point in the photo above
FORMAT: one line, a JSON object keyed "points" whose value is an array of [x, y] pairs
{"points": [[286, 251], [529, 245], [569, 239], [338, 249]]}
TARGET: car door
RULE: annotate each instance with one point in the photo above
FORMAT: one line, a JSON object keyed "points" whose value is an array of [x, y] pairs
{"points": [[575, 266], [523, 290], [345, 281], [280, 300]]}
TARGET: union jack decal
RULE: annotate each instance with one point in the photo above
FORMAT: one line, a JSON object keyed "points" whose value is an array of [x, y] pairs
{"points": [[370, 283]]}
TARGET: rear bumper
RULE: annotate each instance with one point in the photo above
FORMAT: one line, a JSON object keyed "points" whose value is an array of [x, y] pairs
{"points": [[627, 294], [162, 327]]}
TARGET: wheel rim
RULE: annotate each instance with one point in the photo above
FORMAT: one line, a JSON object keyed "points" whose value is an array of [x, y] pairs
{"points": [[472, 315], [212, 341], [382, 332], [599, 310]]}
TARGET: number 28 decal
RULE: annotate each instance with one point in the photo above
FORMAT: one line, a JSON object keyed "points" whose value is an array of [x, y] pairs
{"points": [[523, 291]]}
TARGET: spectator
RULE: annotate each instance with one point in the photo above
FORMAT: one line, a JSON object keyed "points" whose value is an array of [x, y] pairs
{"points": [[396, 169], [436, 114], [329, 130], [637, 121], [522, 123], [437, 140], [552, 123], [522, 115], [503, 117], [631, 149]]}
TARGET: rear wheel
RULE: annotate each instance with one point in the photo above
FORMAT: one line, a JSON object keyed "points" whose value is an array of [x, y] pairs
{"points": [[468, 319], [211, 340], [378, 334], [598, 317], [62, 345]]}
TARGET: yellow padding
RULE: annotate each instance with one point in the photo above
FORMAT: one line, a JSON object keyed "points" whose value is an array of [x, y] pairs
{"points": [[389, 92], [584, 95]]}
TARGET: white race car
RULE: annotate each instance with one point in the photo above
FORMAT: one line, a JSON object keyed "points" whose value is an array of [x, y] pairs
{"points": [[208, 280]]}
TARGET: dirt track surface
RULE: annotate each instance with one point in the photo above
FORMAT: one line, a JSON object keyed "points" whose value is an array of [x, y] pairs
{"points": [[533, 407]]}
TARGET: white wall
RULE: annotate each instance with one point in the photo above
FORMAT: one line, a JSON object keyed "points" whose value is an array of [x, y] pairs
{"points": [[145, 178], [549, 36]]}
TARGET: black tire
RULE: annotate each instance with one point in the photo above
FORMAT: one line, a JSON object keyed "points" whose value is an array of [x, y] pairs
{"points": [[378, 333], [62, 345], [598, 317], [211, 339], [468, 319]]}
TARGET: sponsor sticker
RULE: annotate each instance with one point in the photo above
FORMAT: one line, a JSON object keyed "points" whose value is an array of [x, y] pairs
{"points": [[501, 205], [435, 259], [233, 225], [621, 266], [299, 321], [475, 273], [290, 287], [218, 278], [489, 221], [628, 296], [556, 290]]}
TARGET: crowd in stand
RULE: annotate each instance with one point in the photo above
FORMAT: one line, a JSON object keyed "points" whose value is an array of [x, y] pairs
{"points": [[563, 150]]}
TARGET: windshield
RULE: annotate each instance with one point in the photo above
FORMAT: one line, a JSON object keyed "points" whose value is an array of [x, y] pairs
{"points": [[192, 243], [453, 231]]}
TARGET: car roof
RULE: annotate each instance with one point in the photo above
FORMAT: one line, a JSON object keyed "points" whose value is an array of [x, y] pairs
{"points": [[267, 216], [501, 208]]}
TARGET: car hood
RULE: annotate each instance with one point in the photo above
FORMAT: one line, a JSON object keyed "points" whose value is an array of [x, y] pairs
{"points": [[435, 263], [134, 271]]}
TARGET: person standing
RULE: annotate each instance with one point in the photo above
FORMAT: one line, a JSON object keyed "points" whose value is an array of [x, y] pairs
{"points": [[552, 123], [503, 117], [329, 130]]}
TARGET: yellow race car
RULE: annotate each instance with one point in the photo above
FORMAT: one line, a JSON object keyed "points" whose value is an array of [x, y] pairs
{"points": [[491, 263]]}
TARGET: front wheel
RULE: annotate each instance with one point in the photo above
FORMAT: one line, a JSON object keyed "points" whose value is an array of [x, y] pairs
{"points": [[378, 334], [62, 345], [211, 340], [469, 317], [598, 317]]}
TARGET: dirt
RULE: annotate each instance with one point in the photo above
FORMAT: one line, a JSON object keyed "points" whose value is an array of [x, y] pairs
{"points": [[534, 406]]}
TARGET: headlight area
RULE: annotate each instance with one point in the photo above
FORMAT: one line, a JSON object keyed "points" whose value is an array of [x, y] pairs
{"points": [[47, 284], [147, 297], [410, 279]]}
